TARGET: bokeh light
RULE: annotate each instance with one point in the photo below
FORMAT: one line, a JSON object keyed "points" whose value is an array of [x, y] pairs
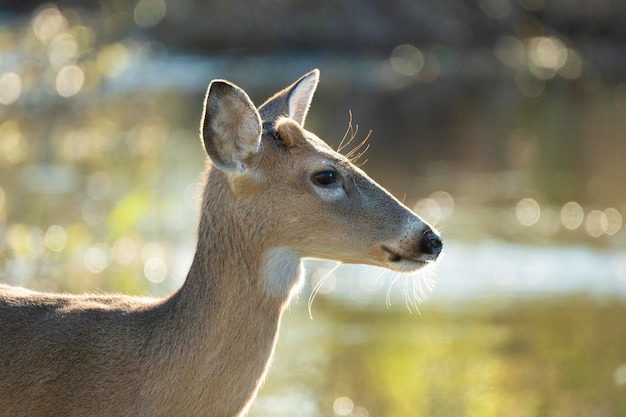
{"points": [[155, 269], [445, 201], [546, 56], [619, 377], [596, 223], [69, 80], [343, 406], [149, 12], [97, 258], [572, 215], [56, 238], [48, 23], [527, 211], [407, 60], [613, 221], [10, 88], [429, 210], [436, 207]]}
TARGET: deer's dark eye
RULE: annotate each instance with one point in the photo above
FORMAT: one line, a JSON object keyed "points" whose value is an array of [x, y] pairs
{"points": [[326, 178]]}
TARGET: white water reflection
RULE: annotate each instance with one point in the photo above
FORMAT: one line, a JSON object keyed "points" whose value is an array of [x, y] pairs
{"points": [[491, 270]]}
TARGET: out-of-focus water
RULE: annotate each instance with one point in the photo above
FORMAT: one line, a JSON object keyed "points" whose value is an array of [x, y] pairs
{"points": [[561, 356], [483, 270]]}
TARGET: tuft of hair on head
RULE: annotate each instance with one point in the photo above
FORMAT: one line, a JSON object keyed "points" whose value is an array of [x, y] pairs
{"points": [[289, 131]]}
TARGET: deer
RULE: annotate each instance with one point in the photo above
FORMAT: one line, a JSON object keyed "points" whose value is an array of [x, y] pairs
{"points": [[273, 194]]}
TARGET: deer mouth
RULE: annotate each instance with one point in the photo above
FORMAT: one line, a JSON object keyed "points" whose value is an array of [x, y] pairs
{"points": [[401, 263]]}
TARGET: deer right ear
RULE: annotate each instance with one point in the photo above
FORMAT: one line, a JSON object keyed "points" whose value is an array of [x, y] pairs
{"points": [[231, 126], [293, 101]]}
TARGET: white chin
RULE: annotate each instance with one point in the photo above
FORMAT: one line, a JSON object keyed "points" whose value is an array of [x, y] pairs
{"points": [[406, 265]]}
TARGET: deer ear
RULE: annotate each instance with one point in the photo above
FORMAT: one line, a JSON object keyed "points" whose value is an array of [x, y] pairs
{"points": [[231, 126], [293, 101]]}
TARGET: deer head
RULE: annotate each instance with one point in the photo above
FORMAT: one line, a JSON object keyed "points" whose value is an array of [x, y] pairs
{"points": [[304, 198]]}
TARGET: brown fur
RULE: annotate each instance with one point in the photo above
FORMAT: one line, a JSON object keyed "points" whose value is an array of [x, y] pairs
{"points": [[204, 350]]}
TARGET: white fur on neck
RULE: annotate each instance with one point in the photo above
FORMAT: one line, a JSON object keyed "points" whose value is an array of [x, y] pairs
{"points": [[282, 273]]}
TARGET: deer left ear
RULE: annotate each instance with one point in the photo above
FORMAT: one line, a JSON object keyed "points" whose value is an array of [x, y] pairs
{"points": [[231, 126]]}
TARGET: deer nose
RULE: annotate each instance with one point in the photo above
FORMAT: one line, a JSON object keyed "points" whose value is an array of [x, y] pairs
{"points": [[430, 245]]}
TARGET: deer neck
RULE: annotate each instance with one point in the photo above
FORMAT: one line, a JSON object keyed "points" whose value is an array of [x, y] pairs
{"points": [[230, 308], [236, 257]]}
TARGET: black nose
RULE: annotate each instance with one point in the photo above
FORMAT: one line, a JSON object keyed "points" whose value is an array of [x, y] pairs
{"points": [[431, 244]]}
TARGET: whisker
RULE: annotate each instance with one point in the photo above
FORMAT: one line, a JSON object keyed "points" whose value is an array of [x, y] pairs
{"points": [[388, 297], [408, 302], [355, 158], [354, 153], [416, 288], [350, 134], [317, 287], [349, 130], [353, 133], [417, 293]]}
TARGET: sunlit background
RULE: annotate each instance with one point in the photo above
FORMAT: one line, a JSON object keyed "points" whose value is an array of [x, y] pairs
{"points": [[501, 121]]}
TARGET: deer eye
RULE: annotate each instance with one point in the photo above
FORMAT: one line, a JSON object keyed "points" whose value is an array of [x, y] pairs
{"points": [[327, 178]]}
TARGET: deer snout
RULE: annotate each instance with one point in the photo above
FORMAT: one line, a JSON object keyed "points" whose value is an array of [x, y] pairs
{"points": [[417, 248], [430, 245]]}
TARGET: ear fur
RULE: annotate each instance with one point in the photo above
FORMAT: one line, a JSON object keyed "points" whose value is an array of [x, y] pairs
{"points": [[231, 126], [288, 130], [293, 101]]}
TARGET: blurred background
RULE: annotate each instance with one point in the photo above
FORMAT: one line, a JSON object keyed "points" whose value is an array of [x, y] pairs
{"points": [[501, 121]]}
